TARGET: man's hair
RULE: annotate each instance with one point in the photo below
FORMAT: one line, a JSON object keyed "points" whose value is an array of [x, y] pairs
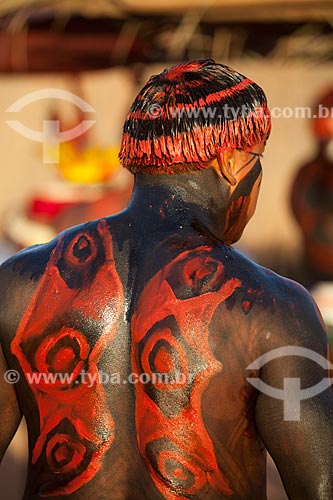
{"points": [[185, 115]]}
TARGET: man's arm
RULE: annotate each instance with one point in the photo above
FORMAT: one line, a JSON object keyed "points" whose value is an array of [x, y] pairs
{"points": [[9, 408], [302, 448]]}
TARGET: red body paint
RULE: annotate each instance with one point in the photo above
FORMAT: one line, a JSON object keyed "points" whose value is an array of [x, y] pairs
{"points": [[170, 333], [43, 346]]}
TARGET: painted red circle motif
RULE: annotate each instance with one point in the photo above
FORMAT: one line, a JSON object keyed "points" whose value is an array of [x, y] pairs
{"points": [[81, 250], [195, 275], [181, 472], [203, 270], [163, 354], [63, 353], [64, 454]]}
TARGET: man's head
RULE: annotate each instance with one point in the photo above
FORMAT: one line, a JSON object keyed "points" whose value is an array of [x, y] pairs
{"points": [[202, 116], [191, 114]]}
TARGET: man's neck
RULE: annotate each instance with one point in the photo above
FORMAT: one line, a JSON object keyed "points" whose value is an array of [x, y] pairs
{"points": [[172, 203]]}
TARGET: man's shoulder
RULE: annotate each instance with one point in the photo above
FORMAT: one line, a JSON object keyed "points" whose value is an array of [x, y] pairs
{"points": [[27, 266], [250, 271], [19, 276], [29, 262], [282, 310], [288, 296], [68, 254]]}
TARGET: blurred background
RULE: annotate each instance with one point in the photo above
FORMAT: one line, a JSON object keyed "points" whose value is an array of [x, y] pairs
{"points": [[69, 70]]}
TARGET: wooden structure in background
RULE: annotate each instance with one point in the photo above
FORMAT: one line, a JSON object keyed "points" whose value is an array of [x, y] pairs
{"points": [[76, 35]]}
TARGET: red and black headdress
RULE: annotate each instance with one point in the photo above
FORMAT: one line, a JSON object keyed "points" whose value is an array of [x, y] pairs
{"points": [[185, 115]]}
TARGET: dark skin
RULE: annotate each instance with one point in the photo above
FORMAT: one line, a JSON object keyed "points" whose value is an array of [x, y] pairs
{"points": [[158, 288]]}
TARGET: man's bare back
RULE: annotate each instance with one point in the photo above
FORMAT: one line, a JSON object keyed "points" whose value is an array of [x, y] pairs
{"points": [[132, 336]]}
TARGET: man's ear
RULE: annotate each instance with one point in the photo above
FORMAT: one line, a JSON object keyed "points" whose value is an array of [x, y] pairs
{"points": [[226, 161]]}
